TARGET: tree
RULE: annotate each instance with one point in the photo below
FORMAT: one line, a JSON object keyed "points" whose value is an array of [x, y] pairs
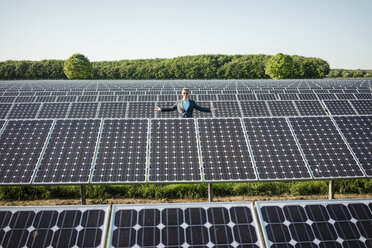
{"points": [[78, 67], [279, 66]]}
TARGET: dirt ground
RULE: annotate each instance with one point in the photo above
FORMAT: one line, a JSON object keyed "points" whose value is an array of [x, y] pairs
{"points": [[54, 202]]}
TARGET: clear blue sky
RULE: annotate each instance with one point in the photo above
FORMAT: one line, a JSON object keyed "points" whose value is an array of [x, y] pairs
{"points": [[338, 31]]}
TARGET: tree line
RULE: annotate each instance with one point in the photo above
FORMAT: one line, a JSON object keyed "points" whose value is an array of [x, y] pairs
{"points": [[186, 67], [343, 73]]}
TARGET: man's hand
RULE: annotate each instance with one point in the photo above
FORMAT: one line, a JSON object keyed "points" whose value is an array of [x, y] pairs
{"points": [[157, 109], [213, 109]]}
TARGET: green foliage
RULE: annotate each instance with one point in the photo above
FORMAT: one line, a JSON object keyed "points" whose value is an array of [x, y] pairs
{"points": [[337, 73], [184, 191], [279, 66], [78, 67], [188, 67]]}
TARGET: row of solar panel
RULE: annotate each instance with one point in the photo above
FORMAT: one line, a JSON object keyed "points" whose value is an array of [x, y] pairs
{"points": [[146, 109], [328, 224], [184, 150], [175, 97]]}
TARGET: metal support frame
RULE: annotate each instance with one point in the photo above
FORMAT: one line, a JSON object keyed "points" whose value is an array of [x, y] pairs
{"points": [[210, 192], [83, 195], [331, 190]]}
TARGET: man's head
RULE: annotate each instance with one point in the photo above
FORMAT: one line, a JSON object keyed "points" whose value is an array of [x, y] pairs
{"points": [[185, 93]]}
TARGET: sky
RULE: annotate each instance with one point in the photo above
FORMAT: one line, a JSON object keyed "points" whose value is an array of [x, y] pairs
{"points": [[338, 31]]}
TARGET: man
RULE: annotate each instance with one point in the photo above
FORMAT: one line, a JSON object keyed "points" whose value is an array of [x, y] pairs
{"points": [[185, 106]]}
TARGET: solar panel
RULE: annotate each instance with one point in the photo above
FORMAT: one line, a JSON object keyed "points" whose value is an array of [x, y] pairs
{"points": [[70, 152], [147, 98], [364, 107], [254, 108], [345, 96], [307, 96], [226, 97], [266, 96], [306, 108], [339, 107], [112, 110], [4, 109], [53, 226], [7, 99], [66, 99], [174, 152], [25, 99], [46, 99], [87, 98], [247, 97], [274, 149], [288, 96], [168, 98], [332, 223], [325, 150], [282, 108], [24, 111], [141, 110], [53, 110], [324, 96], [83, 110], [122, 152], [363, 96], [227, 109], [21, 145], [358, 133], [184, 225], [224, 149], [207, 97]]}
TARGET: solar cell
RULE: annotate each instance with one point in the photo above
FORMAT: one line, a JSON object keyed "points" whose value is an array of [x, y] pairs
{"points": [[53, 110], [340, 107], [288, 96], [122, 152], [168, 98], [21, 145], [226, 97], [87, 98], [112, 110], [358, 133], [83, 110], [186, 225], [141, 110], [207, 97], [254, 108], [334, 223], [227, 109], [306, 108], [274, 149], [282, 108], [224, 150], [363, 96], [345, 96], [326, 152], [148, 98], [61, 226], [324, 96], [174, 155], [107, 98], [363, 107], [70, 152], [24, 111]]}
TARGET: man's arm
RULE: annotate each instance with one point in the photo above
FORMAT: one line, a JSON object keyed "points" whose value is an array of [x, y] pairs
{"points": [[174, 107]]}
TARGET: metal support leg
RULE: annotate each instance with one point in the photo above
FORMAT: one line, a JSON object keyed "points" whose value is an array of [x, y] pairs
{"points": [[83, 195], [210, 192], [331, 190]]}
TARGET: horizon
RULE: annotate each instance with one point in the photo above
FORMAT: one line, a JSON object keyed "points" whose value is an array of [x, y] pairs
{"points": [[337, 32]]}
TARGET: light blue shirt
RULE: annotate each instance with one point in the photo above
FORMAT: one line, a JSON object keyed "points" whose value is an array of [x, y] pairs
{"points": [[186, 104]]}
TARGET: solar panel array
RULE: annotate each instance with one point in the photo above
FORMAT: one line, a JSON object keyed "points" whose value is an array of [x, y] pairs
{"points": [[303, 223], [77, 132]]}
